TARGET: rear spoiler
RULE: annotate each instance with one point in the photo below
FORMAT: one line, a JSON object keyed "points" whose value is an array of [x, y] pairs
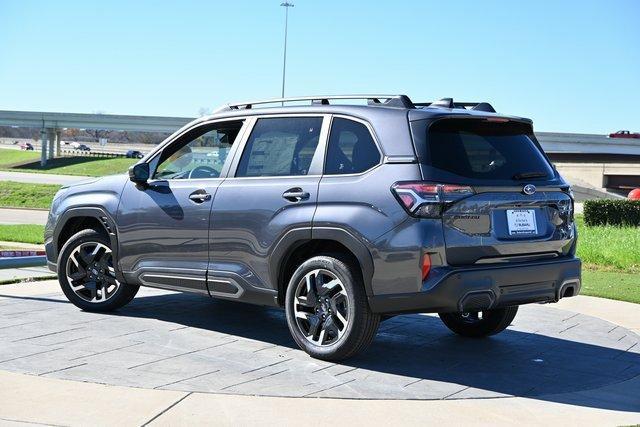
{"points": [[449, 103]]}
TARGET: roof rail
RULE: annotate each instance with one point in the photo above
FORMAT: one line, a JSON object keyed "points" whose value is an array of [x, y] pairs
{"points": [[398, 101], [449, 103], [401, 101]]}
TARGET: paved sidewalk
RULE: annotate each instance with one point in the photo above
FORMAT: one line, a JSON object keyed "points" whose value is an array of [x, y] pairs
{"points": [[39, 399], [24, 273], [40, 178], [31, 289], [32, 399], [23, 216], [21, 246], [625, 314]]}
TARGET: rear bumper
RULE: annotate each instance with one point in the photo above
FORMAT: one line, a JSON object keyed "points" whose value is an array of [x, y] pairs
{"points": [[475, 289]]}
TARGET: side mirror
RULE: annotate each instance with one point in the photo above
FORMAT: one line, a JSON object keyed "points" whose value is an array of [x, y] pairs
{"points": [[139, 173]]}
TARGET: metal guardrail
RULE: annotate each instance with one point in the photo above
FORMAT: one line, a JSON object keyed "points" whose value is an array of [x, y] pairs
{"points": [[87, 153]]}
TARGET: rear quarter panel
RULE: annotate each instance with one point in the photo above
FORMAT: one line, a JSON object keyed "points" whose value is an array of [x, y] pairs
{"points": [[365, 207]]}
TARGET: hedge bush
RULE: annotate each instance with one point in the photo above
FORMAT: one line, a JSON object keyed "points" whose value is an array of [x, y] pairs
{"points": [[612, 212]]}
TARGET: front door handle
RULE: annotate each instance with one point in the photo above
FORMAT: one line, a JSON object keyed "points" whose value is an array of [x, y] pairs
{"points": [[295, 194], [200, 196]]}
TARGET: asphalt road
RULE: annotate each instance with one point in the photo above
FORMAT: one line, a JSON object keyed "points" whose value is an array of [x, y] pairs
{"points": [[112, 147], [23, 216], [40, 178]]}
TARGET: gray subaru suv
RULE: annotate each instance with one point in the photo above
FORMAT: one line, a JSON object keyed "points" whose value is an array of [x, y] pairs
{"points": [[342, 214]]}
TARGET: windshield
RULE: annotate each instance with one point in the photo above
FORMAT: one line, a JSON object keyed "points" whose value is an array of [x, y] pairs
{"points": [[483, 150]]}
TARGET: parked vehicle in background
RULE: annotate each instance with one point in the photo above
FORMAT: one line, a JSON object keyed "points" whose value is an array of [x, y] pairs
{"points": [[26, 146], [134, 154], [343, 215], [83, 147], [624, 134]]}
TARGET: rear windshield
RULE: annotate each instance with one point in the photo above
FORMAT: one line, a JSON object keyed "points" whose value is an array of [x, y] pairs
{"points": [[482, 150]]}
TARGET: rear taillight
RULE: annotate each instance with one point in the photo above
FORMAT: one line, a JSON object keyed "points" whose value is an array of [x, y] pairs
{"points": [[427, 200], [569, 191]]}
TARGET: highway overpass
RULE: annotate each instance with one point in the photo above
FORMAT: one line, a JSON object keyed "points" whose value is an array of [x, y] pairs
{"points": [[594, 161], [609, 165], [52, 123]]}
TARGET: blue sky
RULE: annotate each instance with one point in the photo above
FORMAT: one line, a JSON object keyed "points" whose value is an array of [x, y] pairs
{"points": [[572, 66]]}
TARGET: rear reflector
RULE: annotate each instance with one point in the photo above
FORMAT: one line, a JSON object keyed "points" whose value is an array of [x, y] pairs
{"points": [[426, 266], [424, 199]]}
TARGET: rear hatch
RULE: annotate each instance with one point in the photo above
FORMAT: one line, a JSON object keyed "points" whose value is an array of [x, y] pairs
{"points": [[518, 207]]}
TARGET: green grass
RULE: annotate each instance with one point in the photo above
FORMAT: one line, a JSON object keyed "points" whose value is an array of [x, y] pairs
{"points": [[21, 161], [611, 261], [22, 195], [611, 284], [27, 233], [9, 157], [609, 248]]}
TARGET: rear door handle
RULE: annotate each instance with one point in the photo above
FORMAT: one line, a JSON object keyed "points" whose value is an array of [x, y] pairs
{"points": [[200, 196], [295, 194]]}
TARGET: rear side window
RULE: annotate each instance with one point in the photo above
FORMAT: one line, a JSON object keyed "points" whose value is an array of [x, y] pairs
{"points": [[479, 149], [351, 148], [280, 147]]}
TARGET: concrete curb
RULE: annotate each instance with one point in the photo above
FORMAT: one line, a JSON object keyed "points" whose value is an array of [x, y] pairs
{"points": [[23, 261], [18, 253]]}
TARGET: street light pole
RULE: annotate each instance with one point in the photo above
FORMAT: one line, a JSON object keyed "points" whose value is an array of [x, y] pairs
{"points": [[286, 6]]}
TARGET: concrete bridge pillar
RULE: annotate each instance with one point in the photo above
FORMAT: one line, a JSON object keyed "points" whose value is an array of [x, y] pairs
{"points": [[58, 142], [50, 144], [51, 136], [43, 146]]}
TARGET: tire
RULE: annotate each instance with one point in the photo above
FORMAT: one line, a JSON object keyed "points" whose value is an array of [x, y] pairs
{"points": [[85, 287], [471, 325], [349, 325]]}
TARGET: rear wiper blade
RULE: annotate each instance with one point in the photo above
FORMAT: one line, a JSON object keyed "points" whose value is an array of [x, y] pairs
{"points": [[529, 175]]}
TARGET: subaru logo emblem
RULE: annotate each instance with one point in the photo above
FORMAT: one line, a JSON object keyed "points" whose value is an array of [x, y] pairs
{"points": [[529, 189]]}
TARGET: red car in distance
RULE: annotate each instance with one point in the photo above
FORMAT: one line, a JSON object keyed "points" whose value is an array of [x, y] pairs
{"points": [[624, 134]]}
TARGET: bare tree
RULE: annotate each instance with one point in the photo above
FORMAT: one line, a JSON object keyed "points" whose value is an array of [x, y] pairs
{"points": [[97, 133], [71, 133]]}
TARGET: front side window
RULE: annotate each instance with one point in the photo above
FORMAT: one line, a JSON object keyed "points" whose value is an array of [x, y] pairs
{"points": [[351, 148], [280, 147], [200, 153]]}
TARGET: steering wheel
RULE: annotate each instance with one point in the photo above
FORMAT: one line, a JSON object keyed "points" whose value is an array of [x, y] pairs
{"points": [[203, 172]]}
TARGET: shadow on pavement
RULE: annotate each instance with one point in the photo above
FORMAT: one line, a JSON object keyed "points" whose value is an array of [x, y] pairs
{"points": [[517, 363], [547, 354]]}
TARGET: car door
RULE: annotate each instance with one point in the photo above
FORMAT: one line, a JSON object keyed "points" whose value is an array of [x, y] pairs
{"points": [[272, 189], [163, 226]]}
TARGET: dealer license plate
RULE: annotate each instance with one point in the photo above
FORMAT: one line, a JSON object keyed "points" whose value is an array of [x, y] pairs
{"points": [[521, 221]]}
